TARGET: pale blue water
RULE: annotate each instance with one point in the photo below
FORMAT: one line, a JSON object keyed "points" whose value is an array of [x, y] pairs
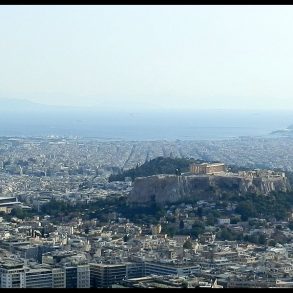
{"points": [[192, 125]]}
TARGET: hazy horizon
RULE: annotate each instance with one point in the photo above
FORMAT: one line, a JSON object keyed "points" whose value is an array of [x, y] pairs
{"points": [[15, 104], [23, 118], [138, 58]]}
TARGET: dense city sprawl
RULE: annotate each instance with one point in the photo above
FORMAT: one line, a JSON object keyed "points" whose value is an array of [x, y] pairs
{"points": [[65, 225]]}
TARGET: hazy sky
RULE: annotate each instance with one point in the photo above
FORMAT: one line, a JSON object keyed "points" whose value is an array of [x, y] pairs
{"points": [[148, 56]]}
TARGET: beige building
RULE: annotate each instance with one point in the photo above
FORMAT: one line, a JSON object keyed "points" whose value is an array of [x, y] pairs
{"points": [[7, 203], [156, 229], [206, 168]]}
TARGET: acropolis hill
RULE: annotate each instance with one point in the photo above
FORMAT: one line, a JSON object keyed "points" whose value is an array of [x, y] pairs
{"points": [[205, 181]]}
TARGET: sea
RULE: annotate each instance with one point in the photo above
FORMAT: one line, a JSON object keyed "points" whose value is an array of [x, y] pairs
{"points": [[145, 125]]}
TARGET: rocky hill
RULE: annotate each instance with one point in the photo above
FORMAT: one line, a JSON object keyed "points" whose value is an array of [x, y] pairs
{"points": [[156, 166], [161, 189]]}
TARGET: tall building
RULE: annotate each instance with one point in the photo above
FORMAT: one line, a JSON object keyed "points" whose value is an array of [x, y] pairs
{"points": [[58, 278], [16, 275], [77, 276], [135, 270], [71, 277], [105, 275], [169, 269], [83, 276], [12, 275], [38, 278]]}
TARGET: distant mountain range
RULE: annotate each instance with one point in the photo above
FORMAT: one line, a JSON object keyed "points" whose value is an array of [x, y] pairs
{"points": [[22, 105]]}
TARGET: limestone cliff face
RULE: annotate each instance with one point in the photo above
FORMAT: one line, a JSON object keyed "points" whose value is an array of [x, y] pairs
{"points": [[172, 188]]}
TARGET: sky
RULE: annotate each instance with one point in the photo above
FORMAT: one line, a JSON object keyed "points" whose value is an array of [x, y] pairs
{"points": [[148, 57]]}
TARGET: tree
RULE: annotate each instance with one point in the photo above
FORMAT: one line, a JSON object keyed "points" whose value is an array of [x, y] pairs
{"points": [[225, 234], [197, 228], [187, 244], [211, 220], [262, 239], [18, 213], [234, 220], [126, 237], [290, 225], [246, 210], [181, 225], [272, 242], [170, 231], [184, 284], [199, 212]]}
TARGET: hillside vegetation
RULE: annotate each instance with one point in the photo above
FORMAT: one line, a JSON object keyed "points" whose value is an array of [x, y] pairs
{"points": [[159, 165]]}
